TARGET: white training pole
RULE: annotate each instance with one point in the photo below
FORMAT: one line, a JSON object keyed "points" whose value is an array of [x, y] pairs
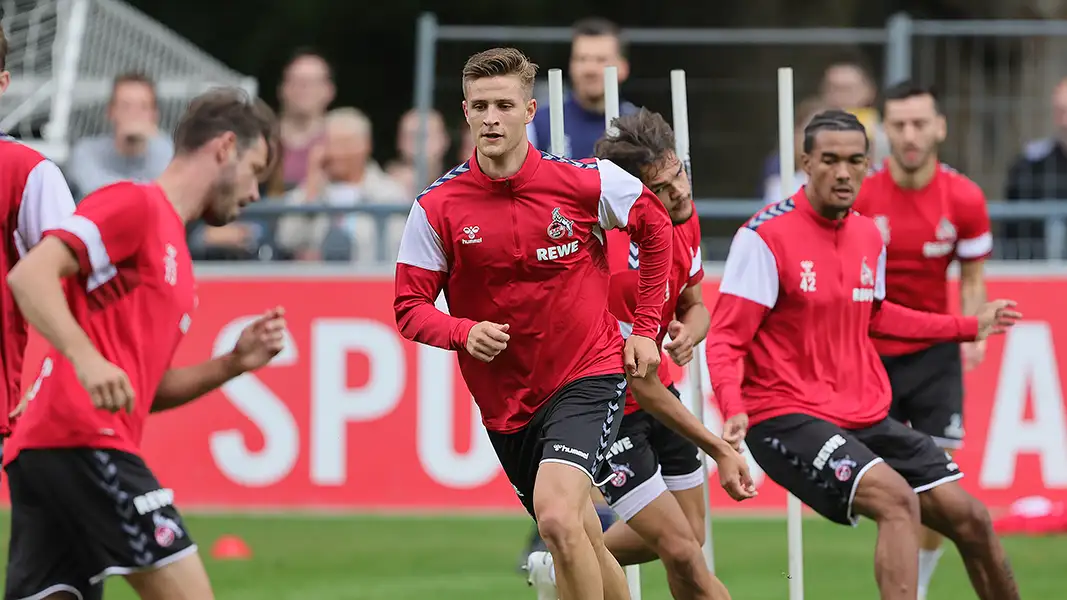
{"points": [[611, 98], [611, 112], [787, 158], [680, 109], [558, 141]]}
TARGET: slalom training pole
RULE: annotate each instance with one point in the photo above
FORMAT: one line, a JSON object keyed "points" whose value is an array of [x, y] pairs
{"points": [[680, 109], [558, 141], [787, 160], [611, 112]]}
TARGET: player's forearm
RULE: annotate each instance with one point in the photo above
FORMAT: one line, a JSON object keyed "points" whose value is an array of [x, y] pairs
{"points": [[659, 402], [892, 321], [972, 295], [697, 321], [418, 319], [185, 384], [36, 284], [651, 229]]}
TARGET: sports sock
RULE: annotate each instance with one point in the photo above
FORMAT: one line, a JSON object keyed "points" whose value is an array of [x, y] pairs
{"points": [[607, 516], [927, 563]]}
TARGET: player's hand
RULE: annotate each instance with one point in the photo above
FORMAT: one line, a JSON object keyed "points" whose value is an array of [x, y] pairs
{"points": [[734, 430], [260, 341], [734, 476], [640, 355], [680, 348], [973, 354], [108, 386], [996, 317], [487, 339]]}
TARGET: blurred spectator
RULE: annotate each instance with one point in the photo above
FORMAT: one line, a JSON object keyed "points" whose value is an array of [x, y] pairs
{"points": [[134, 150], [305, 92], [847, 85], [1040, 173], [596, 43], [465, 147], [402, 169], [772, 176], [341, 173]]}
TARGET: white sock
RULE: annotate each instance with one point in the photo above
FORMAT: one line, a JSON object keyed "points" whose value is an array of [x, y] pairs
{"points": [[552, 573], [927, 563]]}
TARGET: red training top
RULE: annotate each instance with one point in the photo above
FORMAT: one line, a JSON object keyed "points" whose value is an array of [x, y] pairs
{"points": [[33, 197], [799, 299], [134, 298], [924, 231], [687, 270], [528, 251]]}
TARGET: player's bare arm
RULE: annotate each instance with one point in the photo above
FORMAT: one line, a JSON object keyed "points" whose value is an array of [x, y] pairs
{"points": [[972, 298], [690, 326], [258, 343], [36, 283], [655, 398]]}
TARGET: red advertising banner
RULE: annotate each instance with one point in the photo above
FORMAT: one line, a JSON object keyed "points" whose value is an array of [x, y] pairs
{"points": [[351, 416]]}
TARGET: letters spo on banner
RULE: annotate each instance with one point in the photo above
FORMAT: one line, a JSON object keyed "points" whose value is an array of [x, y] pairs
{"points": [[352, 416]]}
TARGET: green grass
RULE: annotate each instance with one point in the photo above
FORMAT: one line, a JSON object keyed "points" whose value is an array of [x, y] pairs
{"points": [[474, 558]]}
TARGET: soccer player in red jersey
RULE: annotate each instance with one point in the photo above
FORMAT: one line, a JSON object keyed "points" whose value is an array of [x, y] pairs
{"points": [[802, 293], [657, 490], [34, 197], [929, 216], [112, 290], [515, 239]]}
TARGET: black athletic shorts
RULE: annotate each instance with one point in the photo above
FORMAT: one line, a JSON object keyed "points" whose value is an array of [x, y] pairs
{"points": [[576, 426], [928, 392], [648, 459], [821, 463], [79, 515]]}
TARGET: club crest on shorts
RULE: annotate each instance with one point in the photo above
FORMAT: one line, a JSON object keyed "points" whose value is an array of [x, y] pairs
{"points": [[560, 225], [622, 472], [843, 468], [167, 530]]}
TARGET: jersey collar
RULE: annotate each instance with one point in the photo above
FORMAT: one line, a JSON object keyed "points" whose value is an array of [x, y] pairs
{"points": [[800, 199], [525, 174]]}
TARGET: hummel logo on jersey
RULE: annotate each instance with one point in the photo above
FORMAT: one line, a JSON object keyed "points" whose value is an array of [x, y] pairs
{"points": [[472, 235], [807, 276], [560, 225]]}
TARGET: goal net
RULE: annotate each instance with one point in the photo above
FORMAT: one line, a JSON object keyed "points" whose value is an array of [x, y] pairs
{"points": [[64, 55]]}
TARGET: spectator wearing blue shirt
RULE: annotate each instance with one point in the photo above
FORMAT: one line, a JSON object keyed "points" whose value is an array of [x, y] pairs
{"points": [[595, 44]]}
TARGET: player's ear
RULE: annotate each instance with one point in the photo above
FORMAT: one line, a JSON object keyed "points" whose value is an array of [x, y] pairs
{"points": [[942, 128], [225, 147], [624, 69], [531, 110], [805, 163], [466, 115]]}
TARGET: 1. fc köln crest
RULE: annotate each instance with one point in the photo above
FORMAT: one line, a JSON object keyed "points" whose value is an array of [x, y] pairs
{"points": [[882, 222]]}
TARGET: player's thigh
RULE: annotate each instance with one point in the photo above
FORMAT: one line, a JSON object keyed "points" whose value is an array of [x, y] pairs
{"points": [[937, 405], [636, 479], [677, 455], [663, 525], [911, 453], [582, 423], [44, 557], [182, 579], [817, 461]]}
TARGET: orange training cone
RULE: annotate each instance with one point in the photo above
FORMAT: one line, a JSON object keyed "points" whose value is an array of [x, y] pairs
{"points": [[230, 547]]}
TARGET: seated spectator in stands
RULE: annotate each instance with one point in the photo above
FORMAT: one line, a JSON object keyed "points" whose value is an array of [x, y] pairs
{"points": [[1040, 173], [772, 177], [465, 147], [134, 150], [304, 94], [848, 85], [402, 169], [342, 173]]}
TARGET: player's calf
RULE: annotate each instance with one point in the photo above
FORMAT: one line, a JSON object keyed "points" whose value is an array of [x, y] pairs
{"points": [[561, 497], [665, 528], [611, 573], [957, 515], [885, 497]]}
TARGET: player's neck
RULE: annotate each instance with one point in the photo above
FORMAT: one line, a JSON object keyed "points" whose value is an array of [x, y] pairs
{"points": [[915, 180], [505, 165], [297, 130], [184, 188]]}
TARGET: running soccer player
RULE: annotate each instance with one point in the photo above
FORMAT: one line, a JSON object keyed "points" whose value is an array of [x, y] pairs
{"points": [[34, 197], [514, 237], [657, 489], [802, 293], [929, 216], [112, 290]]}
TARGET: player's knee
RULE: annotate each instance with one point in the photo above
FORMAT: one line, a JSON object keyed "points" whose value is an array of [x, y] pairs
{"points": [[971, 525], [699, 530], [560, 526], [680, 554], [883, 495]]}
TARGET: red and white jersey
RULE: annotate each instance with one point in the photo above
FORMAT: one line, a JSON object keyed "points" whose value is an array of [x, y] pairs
{"points": [[528, 251], [134, 297], [800, 297], [33, 197], [687, 270], [924, 231]]}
